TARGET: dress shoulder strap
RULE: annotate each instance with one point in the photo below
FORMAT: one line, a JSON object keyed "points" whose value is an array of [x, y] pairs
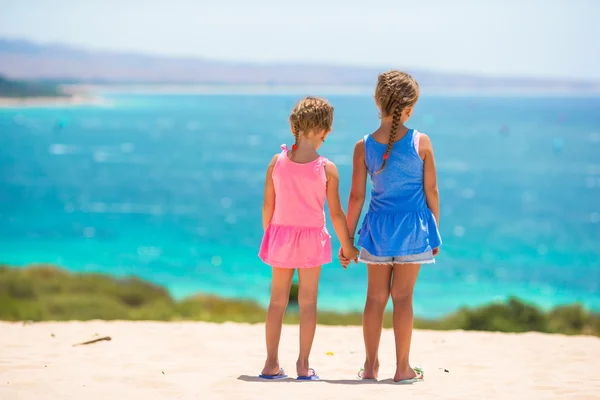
{"points": [[284, 152], [322, 162], [282, 156], [368, 157], [416, 139]]}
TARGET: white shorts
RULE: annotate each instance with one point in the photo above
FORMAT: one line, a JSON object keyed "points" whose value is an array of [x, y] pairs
{"points": [[422, 258]]}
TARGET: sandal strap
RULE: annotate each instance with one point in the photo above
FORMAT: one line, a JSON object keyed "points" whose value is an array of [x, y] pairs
{"points": [[420, 372]]}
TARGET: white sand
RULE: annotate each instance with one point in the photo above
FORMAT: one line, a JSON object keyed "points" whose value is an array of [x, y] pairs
{"points": [[210, 361]]}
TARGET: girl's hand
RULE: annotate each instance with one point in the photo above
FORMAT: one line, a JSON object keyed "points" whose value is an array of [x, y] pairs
{"points": [[343, 260], [350, 253], [435, 251]]}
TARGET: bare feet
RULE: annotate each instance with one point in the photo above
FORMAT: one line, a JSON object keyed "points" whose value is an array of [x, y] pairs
{"points": [[370, 371], [405, 373], [271, 368]]}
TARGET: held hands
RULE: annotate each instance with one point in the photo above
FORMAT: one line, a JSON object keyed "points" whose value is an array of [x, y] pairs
{"points": [[347, 255]]}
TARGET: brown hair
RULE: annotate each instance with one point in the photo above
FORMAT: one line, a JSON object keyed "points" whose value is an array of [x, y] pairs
{"points": [[395, 92], [311, 114]]}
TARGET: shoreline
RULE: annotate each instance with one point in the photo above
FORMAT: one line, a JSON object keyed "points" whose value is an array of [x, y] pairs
{"points": [[51, 102], [79, 95], [351, 90]]}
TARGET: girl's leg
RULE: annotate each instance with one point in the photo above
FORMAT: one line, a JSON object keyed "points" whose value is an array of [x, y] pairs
{"points": [[378, 294], [403, 284], [308, 288], [280, 292]]}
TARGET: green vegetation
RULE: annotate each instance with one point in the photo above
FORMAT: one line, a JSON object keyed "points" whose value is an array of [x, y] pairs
{"points": [[43, 293], [22, 89]]}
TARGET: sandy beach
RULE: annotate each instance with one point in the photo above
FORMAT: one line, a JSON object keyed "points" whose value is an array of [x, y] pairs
{"points": [[148, 360]]}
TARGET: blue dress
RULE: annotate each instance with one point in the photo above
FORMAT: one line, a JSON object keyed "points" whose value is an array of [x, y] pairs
{"points": [[398, 226]]}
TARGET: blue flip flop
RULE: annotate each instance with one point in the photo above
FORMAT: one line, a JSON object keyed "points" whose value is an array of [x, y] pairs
{"points": [[419, 378], [280, 375], [312, 376]]}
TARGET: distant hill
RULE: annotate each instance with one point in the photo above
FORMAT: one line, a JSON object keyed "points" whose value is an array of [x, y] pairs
{"points": [[25, 89], [26, 60]]}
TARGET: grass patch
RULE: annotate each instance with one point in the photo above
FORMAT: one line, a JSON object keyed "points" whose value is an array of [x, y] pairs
{"points": [[48, 293]]}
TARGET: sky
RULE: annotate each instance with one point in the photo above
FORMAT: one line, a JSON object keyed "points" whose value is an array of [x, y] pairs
{"points": [[529, 38]]}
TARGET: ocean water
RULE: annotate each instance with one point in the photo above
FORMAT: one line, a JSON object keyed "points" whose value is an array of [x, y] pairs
{"points": [[169, 188]]}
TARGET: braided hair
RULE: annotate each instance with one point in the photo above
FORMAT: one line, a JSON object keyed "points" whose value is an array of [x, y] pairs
{"points": [[395, 92], [296, 132], [310, 115]]}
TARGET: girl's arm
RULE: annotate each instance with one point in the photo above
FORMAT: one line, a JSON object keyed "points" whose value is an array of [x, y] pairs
{"points": [[432, 195], [338, 218], [269, 198], [359, 187]]}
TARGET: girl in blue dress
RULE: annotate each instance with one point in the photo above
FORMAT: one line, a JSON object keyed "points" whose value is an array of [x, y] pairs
{"points": [[400, 229]]}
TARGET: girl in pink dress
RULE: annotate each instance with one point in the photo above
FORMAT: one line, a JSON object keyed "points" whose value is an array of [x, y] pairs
{"points": [[296, 186]]}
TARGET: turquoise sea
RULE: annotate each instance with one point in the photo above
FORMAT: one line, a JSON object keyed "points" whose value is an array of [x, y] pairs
{"points": [[169, 188]]}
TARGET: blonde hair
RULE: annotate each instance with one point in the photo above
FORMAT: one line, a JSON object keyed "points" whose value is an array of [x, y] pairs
{"points": [[395, 92], [311, 114]]}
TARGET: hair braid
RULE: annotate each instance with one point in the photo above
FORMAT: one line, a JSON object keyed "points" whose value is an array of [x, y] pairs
{"points": [[296, 137], [395, 122]]}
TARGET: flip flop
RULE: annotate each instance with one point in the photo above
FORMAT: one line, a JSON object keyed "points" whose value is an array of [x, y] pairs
{"points": [[419, 378], [360, 374], [312, 376], [280, 375]]}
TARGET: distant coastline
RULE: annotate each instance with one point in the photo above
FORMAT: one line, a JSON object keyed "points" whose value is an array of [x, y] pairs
{"points": [[94, 94], [74, 100], [352, 90], [76, 95], [27, 93]]}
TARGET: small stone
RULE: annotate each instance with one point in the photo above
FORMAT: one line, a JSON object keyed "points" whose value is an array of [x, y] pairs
{"points": [[163, 372]]}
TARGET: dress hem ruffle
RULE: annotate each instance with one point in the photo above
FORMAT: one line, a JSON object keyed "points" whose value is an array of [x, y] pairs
{"points": [[300, 265], [395, 262], [292, 247], [394, 231]]}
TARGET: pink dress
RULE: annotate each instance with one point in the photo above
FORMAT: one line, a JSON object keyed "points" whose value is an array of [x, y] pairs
{"points": [[297, 236]]}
